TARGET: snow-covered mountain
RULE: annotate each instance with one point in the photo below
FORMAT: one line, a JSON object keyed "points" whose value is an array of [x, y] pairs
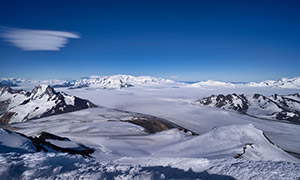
{"points": [[124, 81], [21, 105], [279, 107], [211, 83], [27, 83], [11, 82], [114, 82], [292, 83]]}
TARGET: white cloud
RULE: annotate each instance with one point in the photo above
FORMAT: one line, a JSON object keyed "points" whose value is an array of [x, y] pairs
{"points": [[37, 40]]}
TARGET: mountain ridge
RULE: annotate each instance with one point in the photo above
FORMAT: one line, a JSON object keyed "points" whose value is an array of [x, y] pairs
{"points": [[43, 100], [274, 107], [125, 81]]}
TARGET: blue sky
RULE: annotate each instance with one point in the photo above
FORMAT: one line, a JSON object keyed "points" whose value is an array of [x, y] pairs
{"points": [[193, 40]]}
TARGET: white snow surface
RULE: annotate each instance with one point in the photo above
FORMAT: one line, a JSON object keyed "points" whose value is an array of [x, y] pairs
{"points": [[64, 166], [126, 152], [178, 104], [11, 142]]}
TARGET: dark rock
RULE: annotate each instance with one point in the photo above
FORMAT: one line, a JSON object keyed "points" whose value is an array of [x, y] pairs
{"points": [[41, 144], [5, 118], [153, 124]]}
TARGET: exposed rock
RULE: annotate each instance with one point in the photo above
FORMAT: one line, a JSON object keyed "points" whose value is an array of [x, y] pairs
{"points": [[244, 150], [152, 124], [45, 142]]}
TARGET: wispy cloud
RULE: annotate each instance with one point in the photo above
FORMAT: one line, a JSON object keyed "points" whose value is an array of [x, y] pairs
{"points": [[37, 40]]}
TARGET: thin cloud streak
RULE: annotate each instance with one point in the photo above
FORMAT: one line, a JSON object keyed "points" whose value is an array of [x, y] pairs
{"points": [[37, 40]]}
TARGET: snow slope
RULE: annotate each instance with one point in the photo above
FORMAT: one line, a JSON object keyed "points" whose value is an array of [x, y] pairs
{"points": [[123, 150], [178, 105], [63, 166], [108, 129]]}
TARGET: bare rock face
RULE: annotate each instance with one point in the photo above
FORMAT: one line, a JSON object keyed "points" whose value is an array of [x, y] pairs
{"points": [[20, 106], [275, 107]]}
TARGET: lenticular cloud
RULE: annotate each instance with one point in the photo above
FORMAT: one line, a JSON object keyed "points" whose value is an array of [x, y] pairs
{"points": [[36, 40]]}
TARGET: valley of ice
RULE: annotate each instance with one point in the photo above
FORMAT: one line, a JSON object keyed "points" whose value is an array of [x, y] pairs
{"points": [[230, 145]]}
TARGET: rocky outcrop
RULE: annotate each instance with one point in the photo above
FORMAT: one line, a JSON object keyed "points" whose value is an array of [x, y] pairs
{"points": [[152, 124], [44, 142]]}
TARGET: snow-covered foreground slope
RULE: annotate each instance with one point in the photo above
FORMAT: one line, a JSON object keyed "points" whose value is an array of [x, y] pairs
{"points": [[275, 107], [63, 166], [20, 105], [45, 142], [108, 129], [124, 150]]}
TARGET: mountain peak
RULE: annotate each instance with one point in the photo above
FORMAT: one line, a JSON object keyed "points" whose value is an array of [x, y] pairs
{"points": [[20, 105], [41, 90]]}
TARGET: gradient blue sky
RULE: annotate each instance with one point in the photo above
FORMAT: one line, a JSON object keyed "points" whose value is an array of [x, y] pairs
{"points": [[194, 40]]}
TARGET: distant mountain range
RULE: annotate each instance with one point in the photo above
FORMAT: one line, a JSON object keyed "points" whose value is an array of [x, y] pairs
{"points": [[113, 82], [21, 105], [292, 83], [276, 107], [11, 82], [126, 81]]}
